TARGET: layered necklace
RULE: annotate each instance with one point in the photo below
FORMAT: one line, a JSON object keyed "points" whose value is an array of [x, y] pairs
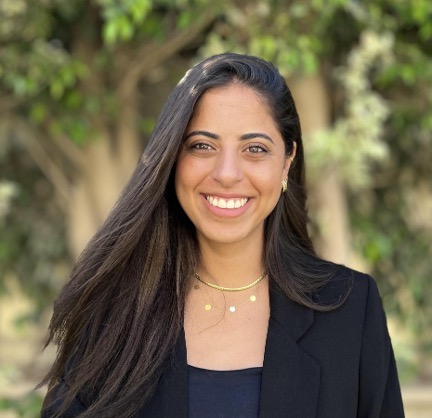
{"points": [[209, 305]]}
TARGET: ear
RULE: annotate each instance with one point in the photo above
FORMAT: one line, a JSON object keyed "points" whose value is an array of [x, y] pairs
{"points": [[289, 159]]}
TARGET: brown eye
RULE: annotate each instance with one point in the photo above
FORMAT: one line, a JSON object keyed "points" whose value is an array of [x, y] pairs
{"points": [[200, 146], [256, 149]]}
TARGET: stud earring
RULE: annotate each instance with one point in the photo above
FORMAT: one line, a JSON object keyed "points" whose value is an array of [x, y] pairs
{"points": [[284, 185]]}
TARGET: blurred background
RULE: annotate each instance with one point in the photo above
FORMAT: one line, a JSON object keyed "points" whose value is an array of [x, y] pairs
{"points": [[82, 83]]}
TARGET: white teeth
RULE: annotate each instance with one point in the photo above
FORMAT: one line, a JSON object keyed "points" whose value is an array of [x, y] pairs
{"points": [[226, 204]]}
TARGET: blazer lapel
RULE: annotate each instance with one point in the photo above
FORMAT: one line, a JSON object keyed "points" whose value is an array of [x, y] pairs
{"points": [[290, 378]]}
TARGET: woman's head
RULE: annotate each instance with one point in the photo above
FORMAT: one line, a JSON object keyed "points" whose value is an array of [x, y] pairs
{"points": [[231, 166], [219, 72]]}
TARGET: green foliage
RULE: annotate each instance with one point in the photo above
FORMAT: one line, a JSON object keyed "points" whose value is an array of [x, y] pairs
{"points": [[28, 406], [61, 64], [365, 112], [295, 36], [32, 231], [122, 19]]}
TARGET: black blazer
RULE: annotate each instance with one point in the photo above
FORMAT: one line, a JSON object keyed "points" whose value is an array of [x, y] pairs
{"points": [[337, 364]]}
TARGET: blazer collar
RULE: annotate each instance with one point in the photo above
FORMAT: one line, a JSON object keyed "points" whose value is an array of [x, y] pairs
{"points": [[290, 377]]}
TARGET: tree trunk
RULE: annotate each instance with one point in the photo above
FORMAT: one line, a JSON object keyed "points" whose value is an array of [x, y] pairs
{"points": [[96, 189], [327, 196]]}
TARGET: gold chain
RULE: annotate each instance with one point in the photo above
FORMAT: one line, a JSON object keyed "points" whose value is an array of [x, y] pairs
{"points": [[208, 306], [230, 289]]}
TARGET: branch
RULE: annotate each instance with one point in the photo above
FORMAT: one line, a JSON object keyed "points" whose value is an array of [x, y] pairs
{"points": [[9, 101], [67, 149], [153, 55], [42, 159]]}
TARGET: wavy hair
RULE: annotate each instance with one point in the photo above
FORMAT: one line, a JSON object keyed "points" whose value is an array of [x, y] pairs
{"points": [[118, 318]]}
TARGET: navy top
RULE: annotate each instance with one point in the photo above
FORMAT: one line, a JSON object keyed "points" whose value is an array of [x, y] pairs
{"points": [[224, 394]]}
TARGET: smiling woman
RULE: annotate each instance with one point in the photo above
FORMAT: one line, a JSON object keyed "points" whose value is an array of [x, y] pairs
{"points": [[201, 295], [230, 168]]}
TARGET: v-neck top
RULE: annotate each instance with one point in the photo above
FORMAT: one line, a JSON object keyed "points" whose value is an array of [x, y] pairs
{"points": [[224, 394]]}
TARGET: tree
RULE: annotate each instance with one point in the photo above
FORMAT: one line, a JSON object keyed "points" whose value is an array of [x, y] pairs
{"points": [[74, 69]]}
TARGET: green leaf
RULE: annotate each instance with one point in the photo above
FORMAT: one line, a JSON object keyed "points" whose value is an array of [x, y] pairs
{"points": [[56, 89], [38, 112], [110, 32], [125, 29], [73, 99], [68, 76]]}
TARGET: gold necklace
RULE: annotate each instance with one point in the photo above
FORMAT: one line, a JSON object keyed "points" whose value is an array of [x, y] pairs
{"points": [[230, 289], [231, 308]]}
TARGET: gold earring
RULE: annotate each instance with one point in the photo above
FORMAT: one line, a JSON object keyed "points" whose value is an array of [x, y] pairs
{"points": [[284, 185]]}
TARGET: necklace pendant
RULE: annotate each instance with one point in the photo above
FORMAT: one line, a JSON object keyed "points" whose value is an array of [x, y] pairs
{"points": [[232, 309]]}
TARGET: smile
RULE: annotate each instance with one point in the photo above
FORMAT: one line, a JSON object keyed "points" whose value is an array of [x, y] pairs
{"points": [[219, 202]]}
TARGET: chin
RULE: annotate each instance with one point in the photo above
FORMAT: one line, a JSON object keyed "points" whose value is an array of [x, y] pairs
{"points": [[229, 236]]}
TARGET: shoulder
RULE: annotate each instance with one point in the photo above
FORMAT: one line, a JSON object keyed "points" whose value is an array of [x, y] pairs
{"points": [[360, 309], [358, 322], [353, 346], [344, 283]]}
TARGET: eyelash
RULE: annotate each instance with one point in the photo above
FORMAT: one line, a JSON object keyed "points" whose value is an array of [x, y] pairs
{"points": [[200, 146], [257, 146]]}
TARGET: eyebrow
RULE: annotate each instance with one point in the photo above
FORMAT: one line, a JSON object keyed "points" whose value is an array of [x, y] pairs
{"points": [[203, 133], [244, 137]]}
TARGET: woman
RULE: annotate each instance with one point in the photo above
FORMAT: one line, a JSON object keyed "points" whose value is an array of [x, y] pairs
{"points": [[201, 294]]}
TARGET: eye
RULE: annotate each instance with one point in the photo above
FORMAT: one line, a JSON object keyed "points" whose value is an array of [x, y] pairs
{"points": [[256, 148], [199, 146]]}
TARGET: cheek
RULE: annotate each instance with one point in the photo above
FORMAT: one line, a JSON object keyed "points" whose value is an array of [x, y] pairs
{"points": [[269, 180], [187, 178], [191, 172]]}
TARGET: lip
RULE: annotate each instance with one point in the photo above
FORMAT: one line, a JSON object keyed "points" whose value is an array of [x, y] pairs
{"points": [[227, 195], [224, 212]]}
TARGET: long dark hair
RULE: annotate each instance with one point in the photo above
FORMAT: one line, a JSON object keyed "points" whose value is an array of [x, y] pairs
{"points": [[117, 320]]}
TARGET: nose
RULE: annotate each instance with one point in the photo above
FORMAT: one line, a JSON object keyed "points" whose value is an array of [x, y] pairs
{"points": [[227, 169]]}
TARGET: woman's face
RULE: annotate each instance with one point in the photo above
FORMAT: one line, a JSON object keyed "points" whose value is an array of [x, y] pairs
{"points": [[231, 166]]}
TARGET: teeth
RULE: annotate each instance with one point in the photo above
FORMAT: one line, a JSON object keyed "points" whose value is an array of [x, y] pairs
{"points": [[226, 204]]}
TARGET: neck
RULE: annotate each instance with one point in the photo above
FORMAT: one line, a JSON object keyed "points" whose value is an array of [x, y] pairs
{"points": [[233, 265]]}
